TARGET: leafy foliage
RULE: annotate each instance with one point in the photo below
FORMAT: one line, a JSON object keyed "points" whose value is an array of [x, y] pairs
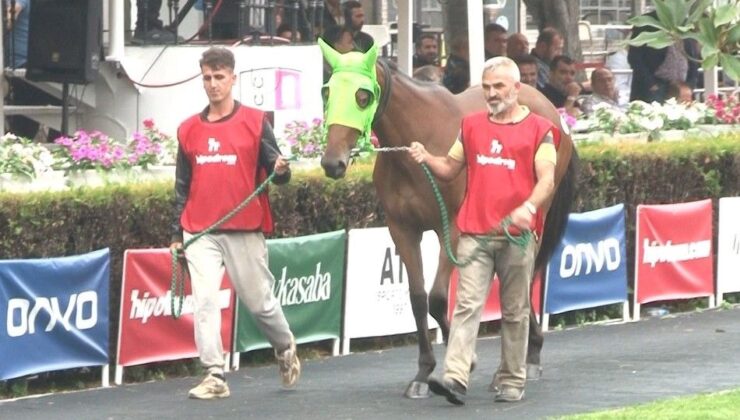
{"points": [[714, 26]]}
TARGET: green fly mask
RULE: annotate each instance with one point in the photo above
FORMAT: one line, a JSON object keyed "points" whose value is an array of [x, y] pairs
{"points": [[352, 94]]}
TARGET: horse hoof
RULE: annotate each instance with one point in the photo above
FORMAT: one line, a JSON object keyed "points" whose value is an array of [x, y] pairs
{"points": [[417, 390], [534, 372], [474, 362]]}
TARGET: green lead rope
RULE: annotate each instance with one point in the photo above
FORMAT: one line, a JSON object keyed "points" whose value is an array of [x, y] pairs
{"points": [[177, 285], [521, 241]]}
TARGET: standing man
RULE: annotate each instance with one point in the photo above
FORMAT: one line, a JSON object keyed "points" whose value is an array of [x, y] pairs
{"points": [[427, 51], [223, 153], [494, 40], [509, 146], [548, 46], [354, 16]]}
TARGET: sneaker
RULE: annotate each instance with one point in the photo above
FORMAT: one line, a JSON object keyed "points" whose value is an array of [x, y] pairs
{"points": [[289, 365], [451, 389], [211, 388], [509, 394]]}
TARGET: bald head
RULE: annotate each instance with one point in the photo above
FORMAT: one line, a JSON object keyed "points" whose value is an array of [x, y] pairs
{"points": [[517, 45], [602, 82]]}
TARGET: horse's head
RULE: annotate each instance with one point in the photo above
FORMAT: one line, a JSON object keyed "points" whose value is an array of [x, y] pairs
{"points": [[350, 100]]}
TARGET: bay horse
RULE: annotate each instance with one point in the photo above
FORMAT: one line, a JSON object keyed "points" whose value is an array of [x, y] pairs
{"points": [[363, 92]]}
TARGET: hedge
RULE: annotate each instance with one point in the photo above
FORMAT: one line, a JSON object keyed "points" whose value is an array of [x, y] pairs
{"points": [[40, 225]]}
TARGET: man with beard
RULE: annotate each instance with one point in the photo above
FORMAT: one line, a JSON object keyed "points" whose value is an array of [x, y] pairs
{"points": [[354, 16], [505, 145], [427, 51]]}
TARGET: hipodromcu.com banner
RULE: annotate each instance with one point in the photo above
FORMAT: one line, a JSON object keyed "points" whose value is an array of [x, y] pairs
{"points": [[54, 314]]}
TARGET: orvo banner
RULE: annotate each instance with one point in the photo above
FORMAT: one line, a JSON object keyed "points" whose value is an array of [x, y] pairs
{"points": [[673, 252], [728, 247], [54, 314], [377, 289], [147, 331], [589, 266], [308, 274]]}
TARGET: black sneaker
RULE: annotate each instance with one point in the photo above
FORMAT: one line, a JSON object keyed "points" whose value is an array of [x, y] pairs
{"points": [[452, 390], [155, 36]]}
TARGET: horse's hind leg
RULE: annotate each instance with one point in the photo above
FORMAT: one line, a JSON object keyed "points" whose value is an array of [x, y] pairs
{"points": [[534, 348], [439, 295], [407, 243]]}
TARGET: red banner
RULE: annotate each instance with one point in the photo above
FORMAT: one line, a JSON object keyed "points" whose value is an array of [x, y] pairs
{"points": [[492, 310], [674, 251], [147, 330]]}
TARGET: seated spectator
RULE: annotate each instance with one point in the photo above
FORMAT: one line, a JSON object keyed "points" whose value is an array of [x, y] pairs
{"points": [[285, 31], [681, 91], [604, 91], [527, 69], [457, 70], [549, 45], [429, 73], [494, 40], [562, 89], [427, 51], [517, 45]]}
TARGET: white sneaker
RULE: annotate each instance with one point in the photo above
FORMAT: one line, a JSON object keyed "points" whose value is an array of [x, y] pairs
{"points": [[210, 388], [289, 365]]}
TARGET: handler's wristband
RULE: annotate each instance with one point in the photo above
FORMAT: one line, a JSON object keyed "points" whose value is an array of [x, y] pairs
{"points": [[529, 206]]}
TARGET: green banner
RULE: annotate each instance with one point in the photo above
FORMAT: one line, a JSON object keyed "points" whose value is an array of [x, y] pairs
{"points": [[309, 277]]}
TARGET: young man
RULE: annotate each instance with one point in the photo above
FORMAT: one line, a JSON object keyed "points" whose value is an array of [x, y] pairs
{"points": [[354, 16], [427, 51], [527, 69], [224, 152], [505, 145]]}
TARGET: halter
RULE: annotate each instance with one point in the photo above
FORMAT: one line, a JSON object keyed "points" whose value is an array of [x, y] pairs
{"points": [[384, 96]]}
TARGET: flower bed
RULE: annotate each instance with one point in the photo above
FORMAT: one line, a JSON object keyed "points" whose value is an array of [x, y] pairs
{"points": [[86, 158]]}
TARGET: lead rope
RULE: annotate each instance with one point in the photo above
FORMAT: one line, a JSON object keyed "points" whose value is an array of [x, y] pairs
{"points": [[177, 284], [521, 241]]}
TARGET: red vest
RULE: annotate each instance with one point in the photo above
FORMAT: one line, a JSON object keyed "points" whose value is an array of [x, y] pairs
{"points": [[224, 158], [500, 165]]}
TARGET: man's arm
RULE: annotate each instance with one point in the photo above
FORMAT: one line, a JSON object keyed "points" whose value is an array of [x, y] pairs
{"points": [[445, 168], [270, 157], [183, 177], [544, 168]]}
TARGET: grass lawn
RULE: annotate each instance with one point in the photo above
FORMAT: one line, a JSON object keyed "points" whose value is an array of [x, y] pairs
{"points": [[720, 405]]}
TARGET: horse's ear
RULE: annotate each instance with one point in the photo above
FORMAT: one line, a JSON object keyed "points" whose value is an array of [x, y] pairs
{"points": [[330, 54], [371, 56]]}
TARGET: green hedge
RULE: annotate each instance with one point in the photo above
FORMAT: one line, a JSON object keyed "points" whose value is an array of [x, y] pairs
{"points": [[138, 216]]}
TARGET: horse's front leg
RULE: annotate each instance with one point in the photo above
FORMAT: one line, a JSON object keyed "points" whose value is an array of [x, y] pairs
{"points": [[408, 245]]}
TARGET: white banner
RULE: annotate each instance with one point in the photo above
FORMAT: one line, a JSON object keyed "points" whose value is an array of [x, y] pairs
{"points": [[728, 246], [377, 290]]}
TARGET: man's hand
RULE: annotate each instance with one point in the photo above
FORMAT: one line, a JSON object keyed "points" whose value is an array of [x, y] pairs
{"points": [[177, 247], [418, 152], [521, 217], [281, 165], [573, 89]]}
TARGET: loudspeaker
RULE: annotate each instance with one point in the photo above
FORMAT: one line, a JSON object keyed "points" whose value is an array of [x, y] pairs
{"points": [[64, 40]]}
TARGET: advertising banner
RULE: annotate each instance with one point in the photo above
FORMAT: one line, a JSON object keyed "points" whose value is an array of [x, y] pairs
{"points": [[492, 309], [728, 246], [377, 290], [54, 313], [674, 251], [589, 266], [147, 331], [309, 280]]}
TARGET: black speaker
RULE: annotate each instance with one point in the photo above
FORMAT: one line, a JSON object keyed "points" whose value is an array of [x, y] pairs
{"points": [[64, 40]]}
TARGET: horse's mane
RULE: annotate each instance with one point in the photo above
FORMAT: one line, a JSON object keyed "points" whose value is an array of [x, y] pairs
{"points": [[393, 66]]}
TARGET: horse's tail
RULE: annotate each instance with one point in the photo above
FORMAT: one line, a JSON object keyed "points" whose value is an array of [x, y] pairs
{"points": [[557, 215]]}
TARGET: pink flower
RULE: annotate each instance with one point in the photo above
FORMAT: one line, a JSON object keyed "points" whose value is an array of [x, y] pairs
{"points": [[148, 123]]}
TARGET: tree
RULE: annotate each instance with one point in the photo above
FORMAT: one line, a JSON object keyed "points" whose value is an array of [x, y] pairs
{"points": [[562, 15], [714, 26]]}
